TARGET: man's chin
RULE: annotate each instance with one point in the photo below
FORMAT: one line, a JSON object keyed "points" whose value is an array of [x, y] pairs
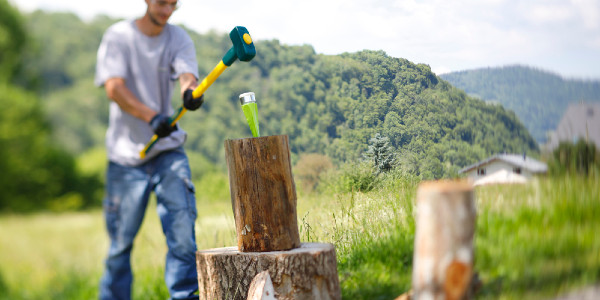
{"points": [[158, 21]]}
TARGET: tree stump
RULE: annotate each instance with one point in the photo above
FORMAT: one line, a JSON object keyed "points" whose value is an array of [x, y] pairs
{"points": [[307, 272], [445, 229], [263, 193]]}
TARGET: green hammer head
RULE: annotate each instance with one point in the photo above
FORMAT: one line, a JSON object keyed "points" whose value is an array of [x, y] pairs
{"points": [[243, 46]]}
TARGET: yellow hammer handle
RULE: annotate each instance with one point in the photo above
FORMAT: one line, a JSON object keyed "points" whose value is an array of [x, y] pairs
{"points": [[210, 78], [199, 91]]}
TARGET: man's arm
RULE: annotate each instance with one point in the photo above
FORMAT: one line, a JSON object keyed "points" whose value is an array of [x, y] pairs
{"points": [[117, 91], [187, 81]]}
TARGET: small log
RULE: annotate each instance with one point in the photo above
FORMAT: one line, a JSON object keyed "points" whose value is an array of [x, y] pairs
{"points": [[263, 193], [261, 287], [445, 229], [307, 272]]}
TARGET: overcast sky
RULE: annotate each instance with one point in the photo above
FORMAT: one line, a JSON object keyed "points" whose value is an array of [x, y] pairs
{"points": [[561, 36]]}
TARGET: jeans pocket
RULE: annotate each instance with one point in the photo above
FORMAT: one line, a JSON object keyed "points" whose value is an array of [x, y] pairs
{"points": [[190, 185], [191, 196]]}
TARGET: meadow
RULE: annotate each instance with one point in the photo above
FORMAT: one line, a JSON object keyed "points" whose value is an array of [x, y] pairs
{"points": [[533, 241]]}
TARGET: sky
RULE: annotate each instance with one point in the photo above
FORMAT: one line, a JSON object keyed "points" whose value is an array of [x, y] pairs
{"points": [[560, 36]]}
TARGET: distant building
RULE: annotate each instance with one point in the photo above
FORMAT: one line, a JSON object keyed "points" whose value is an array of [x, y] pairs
{"points": [[580, 121], [504, 168]]}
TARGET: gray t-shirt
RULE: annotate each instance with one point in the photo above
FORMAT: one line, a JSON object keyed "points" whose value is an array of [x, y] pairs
{"points": [[150, 66]]}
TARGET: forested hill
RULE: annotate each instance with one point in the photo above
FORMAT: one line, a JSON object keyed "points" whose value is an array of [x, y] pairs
{"points": [[539, 98], [327, 104]]}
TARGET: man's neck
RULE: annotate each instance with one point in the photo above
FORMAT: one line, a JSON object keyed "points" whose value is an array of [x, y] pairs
{"points": [[147, 27]]}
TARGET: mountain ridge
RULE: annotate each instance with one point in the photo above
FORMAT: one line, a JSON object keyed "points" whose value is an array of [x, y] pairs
{"points": [[538, 97]]}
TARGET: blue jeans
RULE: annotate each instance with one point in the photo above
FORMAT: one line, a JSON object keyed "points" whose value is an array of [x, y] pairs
{"points": [[128, 190]]}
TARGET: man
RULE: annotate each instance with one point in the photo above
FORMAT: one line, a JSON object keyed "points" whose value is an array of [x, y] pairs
{"points": [[138, 61]]}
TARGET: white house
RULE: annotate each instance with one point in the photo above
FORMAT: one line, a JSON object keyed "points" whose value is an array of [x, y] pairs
{"points": [[504, 168]]}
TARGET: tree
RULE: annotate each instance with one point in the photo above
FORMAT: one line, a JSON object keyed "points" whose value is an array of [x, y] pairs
{"points": [[12, 41], [35, 172], [381, 154]]}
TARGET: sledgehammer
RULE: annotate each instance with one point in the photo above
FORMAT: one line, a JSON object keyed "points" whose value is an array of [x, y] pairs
{"points": [[242, 49]]}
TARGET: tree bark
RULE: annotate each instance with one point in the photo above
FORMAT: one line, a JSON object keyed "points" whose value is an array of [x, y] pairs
{"points": [[443, 254], [307, 272], [263, 193]]}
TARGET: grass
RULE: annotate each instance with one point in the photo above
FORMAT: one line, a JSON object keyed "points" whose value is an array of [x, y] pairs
{"points": [[539, 240], [373, 233], [533, 241]]}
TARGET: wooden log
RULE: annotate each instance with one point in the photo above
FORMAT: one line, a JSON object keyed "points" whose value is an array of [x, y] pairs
{"points": [[263, 193], [443, 254], [307, 272], [405, 296], [261, 287]]}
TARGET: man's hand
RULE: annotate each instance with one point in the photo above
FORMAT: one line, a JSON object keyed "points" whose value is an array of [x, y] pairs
{"points": [[161, 125], [189, 102]]}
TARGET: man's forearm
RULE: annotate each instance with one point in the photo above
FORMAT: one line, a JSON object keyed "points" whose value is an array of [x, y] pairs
{"points": [[117, 91], [187, 81]]}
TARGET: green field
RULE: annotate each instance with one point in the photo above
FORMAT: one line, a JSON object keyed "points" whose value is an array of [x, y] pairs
{"points": [[533, 241]]}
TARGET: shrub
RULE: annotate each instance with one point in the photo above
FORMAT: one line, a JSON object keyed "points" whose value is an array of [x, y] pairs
{"points": [[581, 157], [352, 177], [310, 168]]}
